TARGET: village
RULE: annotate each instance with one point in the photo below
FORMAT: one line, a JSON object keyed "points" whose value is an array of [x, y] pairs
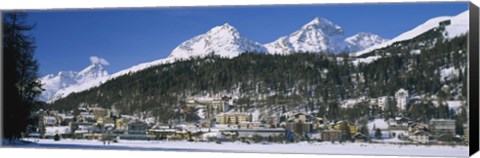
{"points": [[223, 121]]}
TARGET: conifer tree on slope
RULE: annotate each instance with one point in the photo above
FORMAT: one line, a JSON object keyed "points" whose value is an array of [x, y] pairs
{"points": [[20, 74]]}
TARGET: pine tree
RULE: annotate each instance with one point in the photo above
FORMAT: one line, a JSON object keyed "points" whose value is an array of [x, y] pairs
{"points": [[21, 85], [345, 128], [378, 133]]}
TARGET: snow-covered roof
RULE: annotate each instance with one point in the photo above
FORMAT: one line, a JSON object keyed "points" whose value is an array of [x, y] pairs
{"points": [[401, 90], [213, 135], [52, 130], [81, 131], [455, 104], [85, 126], [49, 118], [128, 117], [163, 130], [201, 113], [315, 135], [65, 116], [109, 125], [379, 123], [150, 120], [232, 113], [448, 73], [416, 97]]}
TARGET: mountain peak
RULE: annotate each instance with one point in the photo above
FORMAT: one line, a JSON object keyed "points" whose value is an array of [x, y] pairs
{"points": [[223, 40], [227, 25], [318, 21], [363, 40], [318, 35], [322, 35], [365, 34], [223, 30], [94, 71], [325, 26], [53, 84]]}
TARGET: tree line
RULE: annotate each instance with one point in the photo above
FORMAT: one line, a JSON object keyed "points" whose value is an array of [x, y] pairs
{"points": [[314, 80], [20, 74]]}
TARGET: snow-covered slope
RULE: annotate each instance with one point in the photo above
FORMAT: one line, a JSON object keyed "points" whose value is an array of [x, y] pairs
{"points": [[458, 26], [222, 40], [322, 35], [90, 83], [319, 35], [362, 40], [56, 85], [52, 83]]}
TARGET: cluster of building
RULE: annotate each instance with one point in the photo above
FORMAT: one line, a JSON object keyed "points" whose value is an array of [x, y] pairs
{"points": [[401, 97], [223, 120], [87, 123]]}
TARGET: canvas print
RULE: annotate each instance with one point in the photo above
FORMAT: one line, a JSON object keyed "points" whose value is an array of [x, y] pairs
{"points": [[356, 79]]}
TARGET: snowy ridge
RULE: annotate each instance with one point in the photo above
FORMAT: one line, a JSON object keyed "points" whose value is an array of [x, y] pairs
{"points": [[222, 40], [61, 93], [319, 35], [458, 26], [67, 82], [52, 83], [362, 40], [57, 85]]}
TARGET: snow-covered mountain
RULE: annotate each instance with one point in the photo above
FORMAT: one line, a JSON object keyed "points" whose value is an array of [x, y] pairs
{"points": [[319, 35], [52, 83], [56, 85], [222, 40], [362, 40], [322, 35], [458, 26]]}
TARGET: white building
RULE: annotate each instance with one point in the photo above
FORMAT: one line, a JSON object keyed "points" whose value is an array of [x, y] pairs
{"points": [[53, 130], [401, 96], [249, 133], [419, 137], [384, 102], [442, 127], [221, 104], [350, 103], [49, 120]]}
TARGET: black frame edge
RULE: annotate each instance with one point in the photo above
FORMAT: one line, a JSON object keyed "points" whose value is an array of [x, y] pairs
{"points": [[1, 83], [473, 99]]}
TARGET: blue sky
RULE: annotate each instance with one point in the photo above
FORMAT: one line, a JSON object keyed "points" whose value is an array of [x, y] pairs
{"points": [[66, 39]]}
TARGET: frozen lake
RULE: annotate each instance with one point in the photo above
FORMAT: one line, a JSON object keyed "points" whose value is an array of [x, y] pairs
{"points": [[302, 147]]}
